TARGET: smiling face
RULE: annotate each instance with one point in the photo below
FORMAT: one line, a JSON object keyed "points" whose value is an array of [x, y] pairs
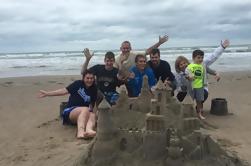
{"points": [[183, 65], [88, 79], [198, 59], [109, 63], [125, 47], [141, 63], [155, 59]]}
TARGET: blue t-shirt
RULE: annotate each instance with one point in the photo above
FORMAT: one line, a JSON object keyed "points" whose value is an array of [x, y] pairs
{"points": [[135, 84], [80, 95]]}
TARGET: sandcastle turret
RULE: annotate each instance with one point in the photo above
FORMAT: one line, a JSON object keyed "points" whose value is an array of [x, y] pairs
{"points": [[123, 102], [105, 142], [105, 126], [190, 121], [144, 99], [163, 93]]}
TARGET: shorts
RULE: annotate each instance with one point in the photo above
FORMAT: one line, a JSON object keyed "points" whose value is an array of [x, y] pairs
{"points": [[198, 94], [111, 97], [66, 115]]}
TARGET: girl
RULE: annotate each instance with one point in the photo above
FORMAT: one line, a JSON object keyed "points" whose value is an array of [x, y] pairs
{"points": [[83, 94]]}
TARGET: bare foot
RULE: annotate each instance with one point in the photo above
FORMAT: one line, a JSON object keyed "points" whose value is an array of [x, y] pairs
{"points": [[90, 134], [200, 116], [81, 133]]}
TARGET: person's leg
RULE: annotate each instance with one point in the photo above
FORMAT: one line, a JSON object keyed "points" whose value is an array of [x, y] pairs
{"points": [[80, 116], [199, 109], [199, 97], [100, 97], [181, 95], [90, 125], [205, 95]]}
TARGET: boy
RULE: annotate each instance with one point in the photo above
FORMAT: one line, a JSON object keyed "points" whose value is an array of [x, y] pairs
{"points": [[106, 77], [196, 74]]}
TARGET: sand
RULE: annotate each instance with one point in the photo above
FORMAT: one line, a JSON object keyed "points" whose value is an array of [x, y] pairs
{"points": [[31, 132]]}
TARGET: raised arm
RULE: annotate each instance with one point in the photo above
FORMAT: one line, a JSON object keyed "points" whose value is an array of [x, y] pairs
{"points": [[211, 58], [59, 92], [162, 40], [88, 57]]}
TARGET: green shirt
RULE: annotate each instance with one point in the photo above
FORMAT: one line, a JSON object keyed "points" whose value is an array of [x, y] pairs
{"points": [[197, 71]]}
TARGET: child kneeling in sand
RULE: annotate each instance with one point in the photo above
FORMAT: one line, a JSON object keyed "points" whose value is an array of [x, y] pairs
{"points": [[83, 95]]}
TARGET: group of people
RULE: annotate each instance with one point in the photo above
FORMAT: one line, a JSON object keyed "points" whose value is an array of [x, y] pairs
{"points": [[128, 68]]}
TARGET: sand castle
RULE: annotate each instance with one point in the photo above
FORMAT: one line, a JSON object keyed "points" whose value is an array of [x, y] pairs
{"points": [[152, 130]]}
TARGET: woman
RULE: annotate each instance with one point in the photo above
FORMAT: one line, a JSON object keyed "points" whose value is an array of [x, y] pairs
{"points": [[83, 94]]}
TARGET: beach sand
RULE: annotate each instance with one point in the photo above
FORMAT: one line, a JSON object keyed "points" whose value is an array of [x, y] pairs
{"points": [[31, 131]]}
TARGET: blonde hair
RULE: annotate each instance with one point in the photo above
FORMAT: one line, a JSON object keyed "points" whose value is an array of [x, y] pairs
{"points": [[178, 61]]}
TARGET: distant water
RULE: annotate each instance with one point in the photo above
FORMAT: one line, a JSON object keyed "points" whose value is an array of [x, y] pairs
{"points": [[235, 58]]}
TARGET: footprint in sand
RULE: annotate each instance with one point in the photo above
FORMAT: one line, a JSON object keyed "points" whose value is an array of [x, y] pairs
{"points": [[52, 81], [48, 123], [37, 83], [7, 84], [227, 143]]}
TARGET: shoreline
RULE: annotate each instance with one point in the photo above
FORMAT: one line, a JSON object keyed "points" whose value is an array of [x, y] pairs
{"points": [[32, 132]]}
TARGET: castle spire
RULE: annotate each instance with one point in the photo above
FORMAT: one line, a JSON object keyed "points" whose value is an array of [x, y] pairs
{"points": [[160, 85]]}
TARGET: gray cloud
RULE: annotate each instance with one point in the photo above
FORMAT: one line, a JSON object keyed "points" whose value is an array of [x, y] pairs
{"points": [[44, 25]]}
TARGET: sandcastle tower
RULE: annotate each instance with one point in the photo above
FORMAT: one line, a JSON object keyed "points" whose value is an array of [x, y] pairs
{"points": [[144, 99], [105, 144], [190, 120]]}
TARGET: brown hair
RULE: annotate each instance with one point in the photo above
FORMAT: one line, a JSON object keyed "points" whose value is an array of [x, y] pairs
{"points": [[109, 55], [178, 61], [197, 53], [139, 56]]}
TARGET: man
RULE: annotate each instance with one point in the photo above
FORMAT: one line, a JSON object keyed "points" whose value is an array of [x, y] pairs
{"points": [[139, 70], [161, 69], [106, 77]]}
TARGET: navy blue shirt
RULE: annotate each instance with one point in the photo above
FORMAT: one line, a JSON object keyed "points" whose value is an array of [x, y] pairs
{"points": [[107, 80], [80, 95], [163, 71]]}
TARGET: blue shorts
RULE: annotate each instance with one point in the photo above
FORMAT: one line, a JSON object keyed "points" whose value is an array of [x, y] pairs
{"points": [[66, 115], [198, 94], [111, 97]]}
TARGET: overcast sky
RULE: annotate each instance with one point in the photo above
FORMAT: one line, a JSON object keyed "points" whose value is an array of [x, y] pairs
{"points": [[54, 25]]}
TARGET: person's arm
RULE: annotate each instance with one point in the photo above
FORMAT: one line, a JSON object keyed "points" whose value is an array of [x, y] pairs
{"points": [[162, 40], [151, 77], [88, 57], [188, 74], [214, 73], [211, 58], [210, 71], [59, 92]]}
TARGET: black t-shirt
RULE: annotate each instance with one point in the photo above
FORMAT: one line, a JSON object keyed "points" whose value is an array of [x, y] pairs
{"points": [[163, 70], [106, 79], [80, 95]]}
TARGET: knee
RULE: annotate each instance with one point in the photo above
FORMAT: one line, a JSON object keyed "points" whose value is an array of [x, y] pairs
{"points": [[84, 110]]}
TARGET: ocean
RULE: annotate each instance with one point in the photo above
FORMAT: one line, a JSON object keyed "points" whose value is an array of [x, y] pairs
{"points": [[235, 58]]}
